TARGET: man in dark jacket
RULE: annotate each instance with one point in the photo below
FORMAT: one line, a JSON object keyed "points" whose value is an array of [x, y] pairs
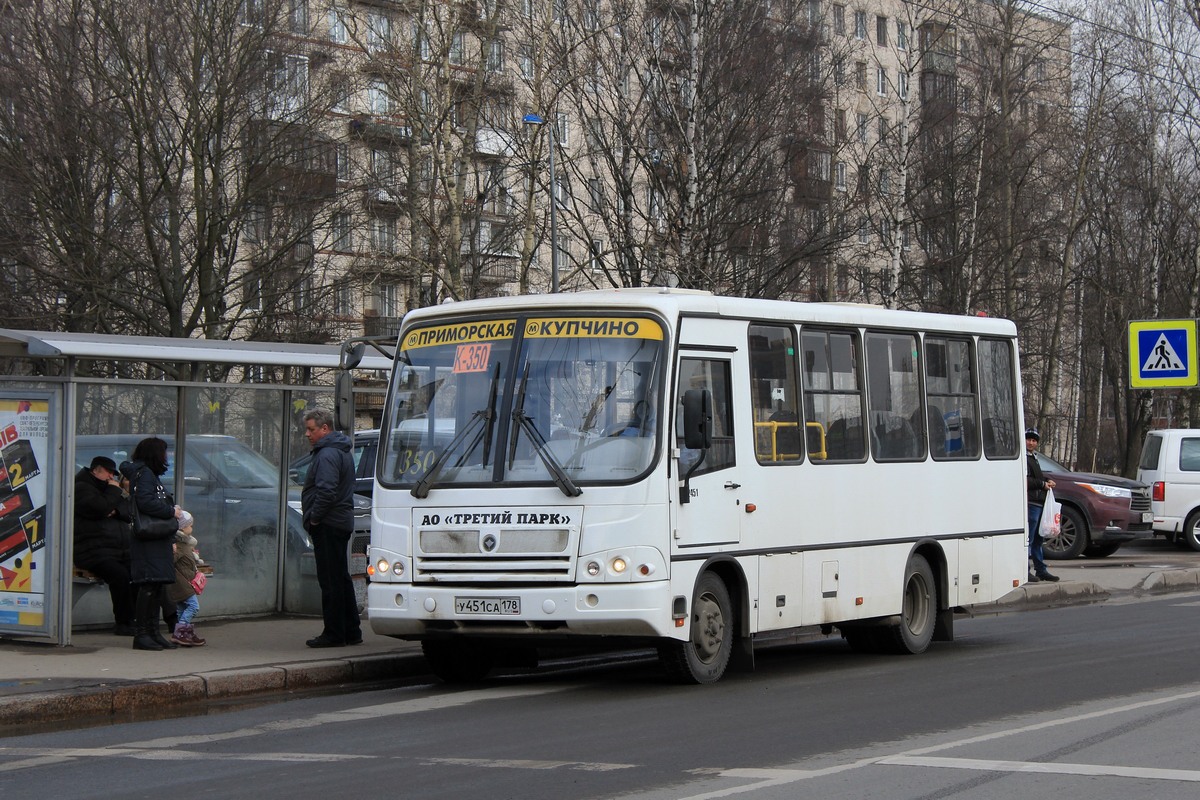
{"points": [[327, 503], [1036, 485], [102, 535]]}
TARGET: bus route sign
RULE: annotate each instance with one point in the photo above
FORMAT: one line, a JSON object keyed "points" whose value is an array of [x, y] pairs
{"points": [[1162, 354]]}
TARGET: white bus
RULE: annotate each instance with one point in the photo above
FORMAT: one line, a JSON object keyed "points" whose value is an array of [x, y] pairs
{"points": [[671, 467]]}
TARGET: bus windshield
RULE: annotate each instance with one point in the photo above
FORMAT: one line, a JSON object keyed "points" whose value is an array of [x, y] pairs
{"points": [[568, 400]]}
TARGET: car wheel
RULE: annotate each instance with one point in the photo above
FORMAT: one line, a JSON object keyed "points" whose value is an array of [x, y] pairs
{"points": [[1074, 537], [1191, 531], [256, 549], [1101, 550]]}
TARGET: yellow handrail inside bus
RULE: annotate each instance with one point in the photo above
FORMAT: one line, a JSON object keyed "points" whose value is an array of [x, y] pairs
{"points": [[774, 426]]}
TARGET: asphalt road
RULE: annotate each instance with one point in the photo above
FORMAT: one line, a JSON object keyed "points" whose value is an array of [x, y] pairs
{"points": [[1098, 701]]}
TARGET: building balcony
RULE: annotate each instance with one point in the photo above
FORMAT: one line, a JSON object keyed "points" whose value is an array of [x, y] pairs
{"points": [[376, 325], [290, 162], [379, 130]]}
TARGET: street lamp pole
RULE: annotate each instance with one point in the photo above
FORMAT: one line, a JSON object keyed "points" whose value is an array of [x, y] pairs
{"points": [[534, 119]]}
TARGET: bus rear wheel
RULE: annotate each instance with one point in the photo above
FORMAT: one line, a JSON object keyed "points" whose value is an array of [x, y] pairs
{"points": [[918, 616], [705, 655], [457, 661]]}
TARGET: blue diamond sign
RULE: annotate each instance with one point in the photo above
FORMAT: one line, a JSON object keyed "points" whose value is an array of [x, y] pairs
{"points": [[1162, 353]]}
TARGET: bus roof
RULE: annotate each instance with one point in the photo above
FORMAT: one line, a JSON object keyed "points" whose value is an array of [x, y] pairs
{"points": [[673, 303]]}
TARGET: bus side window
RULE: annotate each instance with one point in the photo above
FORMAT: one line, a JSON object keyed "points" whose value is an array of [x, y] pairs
{"points": [[775, 394], [714, 375], [833, 401]]}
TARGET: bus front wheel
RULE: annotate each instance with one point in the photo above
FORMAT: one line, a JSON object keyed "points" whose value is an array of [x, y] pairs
{"points": [[705, 655], [918, 616]]}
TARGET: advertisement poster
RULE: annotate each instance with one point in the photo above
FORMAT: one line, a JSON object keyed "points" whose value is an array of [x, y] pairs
{"points": [[24, 442]]}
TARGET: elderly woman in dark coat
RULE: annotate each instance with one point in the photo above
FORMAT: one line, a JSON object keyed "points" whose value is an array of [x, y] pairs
{"points": [[152, 562], [102, 535]]}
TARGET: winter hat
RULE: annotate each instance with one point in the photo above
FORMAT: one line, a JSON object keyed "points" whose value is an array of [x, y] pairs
{"points": [[1032, 433]]}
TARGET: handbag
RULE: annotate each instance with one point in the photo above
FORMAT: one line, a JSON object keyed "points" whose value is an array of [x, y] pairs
{"points": [[1050, 525], [199, 581], [148, 528]]}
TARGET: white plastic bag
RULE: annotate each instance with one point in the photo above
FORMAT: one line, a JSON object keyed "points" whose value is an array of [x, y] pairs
{"points": [[1050, 524]]}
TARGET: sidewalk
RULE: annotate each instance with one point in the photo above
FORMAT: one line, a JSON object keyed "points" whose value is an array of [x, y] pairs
{"points": [[101, 676]]}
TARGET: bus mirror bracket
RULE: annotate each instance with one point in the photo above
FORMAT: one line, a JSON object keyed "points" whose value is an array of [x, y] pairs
{"points": [[344, 401], [697, 433]]}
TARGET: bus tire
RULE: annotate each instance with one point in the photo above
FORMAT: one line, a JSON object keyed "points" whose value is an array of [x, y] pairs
{"points": [[457, 661], [918, 615], [705, 655]]}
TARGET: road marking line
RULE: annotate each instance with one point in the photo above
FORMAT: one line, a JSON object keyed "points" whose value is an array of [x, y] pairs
{"points": [[1052, 768], [778, 777], [517, 763]]}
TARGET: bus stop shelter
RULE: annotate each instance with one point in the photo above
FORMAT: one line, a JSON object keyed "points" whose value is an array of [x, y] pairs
{"points": [[231, 413]]}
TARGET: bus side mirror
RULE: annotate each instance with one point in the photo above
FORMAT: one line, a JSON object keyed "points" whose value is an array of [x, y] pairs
{"points": [[697, 419]]}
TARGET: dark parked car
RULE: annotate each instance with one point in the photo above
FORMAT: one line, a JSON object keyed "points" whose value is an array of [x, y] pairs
{"points": [[233, 492], [1099, 512], [365, 445]]}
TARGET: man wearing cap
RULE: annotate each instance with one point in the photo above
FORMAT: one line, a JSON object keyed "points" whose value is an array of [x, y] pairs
{"points": [[1037, 484], [102, 535]]}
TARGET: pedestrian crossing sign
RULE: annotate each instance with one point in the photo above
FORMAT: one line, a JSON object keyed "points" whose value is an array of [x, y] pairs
{"points": [[1162, 353]]}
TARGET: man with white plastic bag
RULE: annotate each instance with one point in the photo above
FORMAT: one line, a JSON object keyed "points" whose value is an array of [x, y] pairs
{"points": [[1039, 491]]}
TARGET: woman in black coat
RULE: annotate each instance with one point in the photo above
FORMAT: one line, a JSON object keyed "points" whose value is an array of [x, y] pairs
{"points": [[152, 562], [102, 536]]}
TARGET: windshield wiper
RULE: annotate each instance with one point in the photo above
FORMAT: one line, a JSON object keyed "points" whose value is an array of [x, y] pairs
{"points": [[482, 423], [524, 422]]}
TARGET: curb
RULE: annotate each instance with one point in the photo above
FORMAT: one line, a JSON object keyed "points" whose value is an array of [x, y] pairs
{"points": [[1176, 580], [109, 700]]}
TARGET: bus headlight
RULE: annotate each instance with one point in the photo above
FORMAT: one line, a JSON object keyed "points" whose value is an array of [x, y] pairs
{"points": [[593, 568], [618, 565]]}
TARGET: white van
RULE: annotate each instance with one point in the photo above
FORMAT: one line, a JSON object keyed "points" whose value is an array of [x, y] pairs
{"points": [[1170, 463]]}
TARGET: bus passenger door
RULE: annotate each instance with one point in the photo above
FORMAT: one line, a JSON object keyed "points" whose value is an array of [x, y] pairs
{"points": [[712, 513]]}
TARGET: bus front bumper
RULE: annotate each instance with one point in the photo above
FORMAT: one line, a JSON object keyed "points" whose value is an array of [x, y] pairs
{"points": [[629, 609]]}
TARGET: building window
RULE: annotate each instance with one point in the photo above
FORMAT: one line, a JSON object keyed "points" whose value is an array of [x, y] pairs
{"points": [[901, 35], [881, 82], [839, 71], [256, 225], [864, 229], [343, 299], [862, 122], [595, 196], [381, 234], [881, 31], [343, 161], [342, 241], [563, 129], [525, 60], [379, 101], [495, 56], [252, 292], [391, 303], [595, 255], [818, 165], [860, 75], [298, 16], [337, 27], [379, 31], [902, 85], [839, 124], [839, 19], [381, 166], [860, 25], [839, 173]]}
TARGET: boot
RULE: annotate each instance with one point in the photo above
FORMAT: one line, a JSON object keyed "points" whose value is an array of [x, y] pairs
{"points": [[145, 619], [193, 639], [166, 644], [180, 635]]}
